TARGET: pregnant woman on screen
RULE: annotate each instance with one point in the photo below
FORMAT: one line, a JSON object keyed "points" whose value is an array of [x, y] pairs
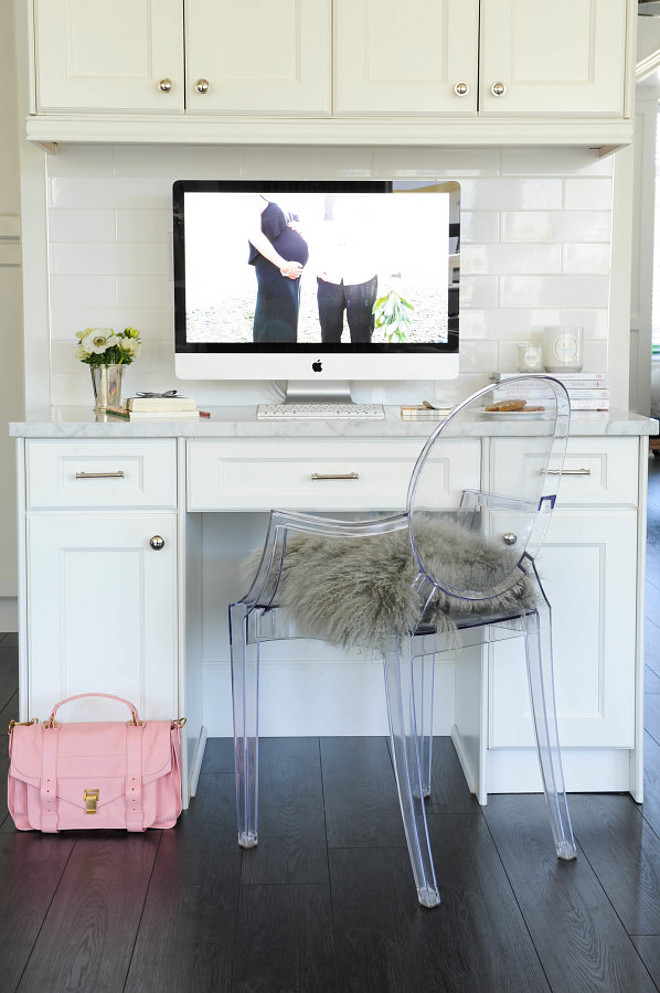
{"points": [[278, 253]]}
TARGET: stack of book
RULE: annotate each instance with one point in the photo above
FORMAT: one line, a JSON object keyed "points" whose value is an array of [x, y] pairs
{"points": [[157, 407], [429, 410], [586, 390]]}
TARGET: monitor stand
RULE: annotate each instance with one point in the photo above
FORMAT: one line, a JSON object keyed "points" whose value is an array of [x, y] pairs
{"points": [[308, 391]]}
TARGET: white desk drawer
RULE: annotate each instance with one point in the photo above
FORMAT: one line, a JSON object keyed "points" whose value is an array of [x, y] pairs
{"points": [[101, 473], [319, 474], [596, 470]]}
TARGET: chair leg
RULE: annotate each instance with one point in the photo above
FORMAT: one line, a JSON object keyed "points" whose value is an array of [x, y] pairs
{"points": [[538, 649], [424, 676], [245, 685], [399, 691]]}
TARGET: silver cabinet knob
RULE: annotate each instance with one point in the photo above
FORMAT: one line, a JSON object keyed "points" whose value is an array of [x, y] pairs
{"points": [[461, 89], [509, 538], [498, 89], [157, 542], [165, 85], [202, 86]]}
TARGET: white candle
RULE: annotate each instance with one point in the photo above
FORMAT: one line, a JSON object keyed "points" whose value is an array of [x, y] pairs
{"points": [[562, 349]]}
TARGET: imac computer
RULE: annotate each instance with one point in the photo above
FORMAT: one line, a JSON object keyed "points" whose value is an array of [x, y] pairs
{"points": [[316, 284]]}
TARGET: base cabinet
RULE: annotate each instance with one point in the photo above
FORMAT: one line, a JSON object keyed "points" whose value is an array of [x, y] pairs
{"points": [[102, 613], [121, 568]]}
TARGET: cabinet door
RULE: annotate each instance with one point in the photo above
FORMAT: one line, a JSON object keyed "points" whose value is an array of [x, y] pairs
{"points": [[102, 612], [588, 567], [258, 57], [122, 56], [397, 59], [567, 57]]}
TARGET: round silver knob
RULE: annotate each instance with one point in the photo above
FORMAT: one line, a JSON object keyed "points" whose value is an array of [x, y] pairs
{"points": [[165, 85], [498, 89], [157, 542], [461, 89], [509, 538], [202, 86]]}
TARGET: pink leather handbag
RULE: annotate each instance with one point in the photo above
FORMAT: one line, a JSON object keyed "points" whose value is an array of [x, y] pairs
{"points": [[95, 775]]}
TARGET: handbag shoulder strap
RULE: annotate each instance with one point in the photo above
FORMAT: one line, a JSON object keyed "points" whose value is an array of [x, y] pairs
{"points": [[49, 748], [106, 696]]}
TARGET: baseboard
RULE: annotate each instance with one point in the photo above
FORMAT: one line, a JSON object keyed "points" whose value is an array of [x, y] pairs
{"points": [[195, 767]]}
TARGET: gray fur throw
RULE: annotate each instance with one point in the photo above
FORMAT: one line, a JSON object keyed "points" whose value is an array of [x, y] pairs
{"points": [[358, 591]]}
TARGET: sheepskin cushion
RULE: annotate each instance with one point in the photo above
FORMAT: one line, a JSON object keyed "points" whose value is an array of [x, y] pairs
{"points": [[358, 591]]}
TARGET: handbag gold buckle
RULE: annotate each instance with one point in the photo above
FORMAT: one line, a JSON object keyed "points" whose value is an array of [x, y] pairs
{"points": [[21, 724], [91, 799]]}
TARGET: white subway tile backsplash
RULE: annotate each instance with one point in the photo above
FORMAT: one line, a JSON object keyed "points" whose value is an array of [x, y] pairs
{"points": [[144, 226], [91, 292], [500, 259], [479, 291], [283, 162], [94, 193], [557, 226], [480, 226], [554, 291], [588, 194], [536, 242], [508, 324], [555, 161], [442, 163], [594, 322], [171, 162], [89, 226], [528, 193], [155, 324], [144, 291], [587, 258], [152, 259]]}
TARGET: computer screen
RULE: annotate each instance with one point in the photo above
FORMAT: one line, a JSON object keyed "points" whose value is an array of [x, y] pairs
{"points": [[313, 281]]}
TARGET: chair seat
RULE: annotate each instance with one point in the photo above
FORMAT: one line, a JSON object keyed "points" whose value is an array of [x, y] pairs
{"points": [[363, 588]]}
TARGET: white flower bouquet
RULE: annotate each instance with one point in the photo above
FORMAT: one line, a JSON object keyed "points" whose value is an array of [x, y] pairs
{"points": [[103, 346]]}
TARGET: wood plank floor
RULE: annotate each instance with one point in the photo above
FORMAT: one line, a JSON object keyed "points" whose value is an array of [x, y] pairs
{"points": [[326, 904]]}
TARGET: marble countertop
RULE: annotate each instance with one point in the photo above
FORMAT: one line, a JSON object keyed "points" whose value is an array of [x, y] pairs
{"points": [[80, 422]]}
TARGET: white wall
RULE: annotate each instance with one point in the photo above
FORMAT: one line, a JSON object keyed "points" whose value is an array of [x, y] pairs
{"points": [[11, 351], [537, 248]]}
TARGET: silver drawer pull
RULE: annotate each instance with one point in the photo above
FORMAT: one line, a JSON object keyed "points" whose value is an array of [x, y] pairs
{"points": [[119, 474], [338, 475], [569, 472]]}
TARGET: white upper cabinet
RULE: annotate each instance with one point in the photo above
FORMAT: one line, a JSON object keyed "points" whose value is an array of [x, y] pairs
{"points": [[416, 58], [258, 57], [461, 72], [121, 56], [566, 57]]}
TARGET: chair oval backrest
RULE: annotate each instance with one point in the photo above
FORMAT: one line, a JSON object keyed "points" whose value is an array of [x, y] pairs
{"points": [[469, 542]]}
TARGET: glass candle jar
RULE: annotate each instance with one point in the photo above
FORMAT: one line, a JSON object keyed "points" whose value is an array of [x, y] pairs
{"points": [[562, 349], [530, 357]]}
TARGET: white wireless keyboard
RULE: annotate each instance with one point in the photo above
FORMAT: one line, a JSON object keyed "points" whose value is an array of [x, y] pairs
{"points": [[326, 411]]}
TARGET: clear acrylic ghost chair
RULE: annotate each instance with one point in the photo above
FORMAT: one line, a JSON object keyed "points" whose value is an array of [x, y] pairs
{"points": [[459, 573]]}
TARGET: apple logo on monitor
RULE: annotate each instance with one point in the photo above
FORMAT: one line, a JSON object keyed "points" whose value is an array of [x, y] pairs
{"points": [[317, 366]]}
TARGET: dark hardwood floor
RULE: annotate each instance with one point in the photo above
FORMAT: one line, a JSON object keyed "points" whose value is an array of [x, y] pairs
{"points": [[326, 903]]}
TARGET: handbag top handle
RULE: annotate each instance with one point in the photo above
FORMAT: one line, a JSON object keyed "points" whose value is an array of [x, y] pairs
{"points": [[108, 696]]}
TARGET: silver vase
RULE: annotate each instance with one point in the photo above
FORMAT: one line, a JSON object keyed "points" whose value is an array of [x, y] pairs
{"points": [[106, 383]]}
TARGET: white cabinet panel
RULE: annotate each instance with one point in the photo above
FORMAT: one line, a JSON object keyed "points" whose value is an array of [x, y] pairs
{"points": [[109, 473], [298, 474], [596, 470], [565, 57], [589, 571], [394, 60], [115, 56], [259, 57], [102, 612]]}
